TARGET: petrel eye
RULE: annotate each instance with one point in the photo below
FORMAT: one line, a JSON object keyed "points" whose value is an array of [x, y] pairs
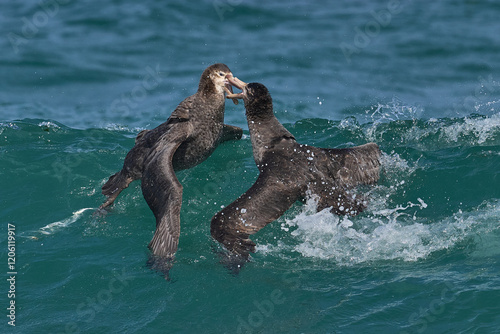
{"points": [[221, 74]]}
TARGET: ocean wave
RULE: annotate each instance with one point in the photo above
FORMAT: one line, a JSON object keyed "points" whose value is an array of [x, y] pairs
{"points": [[479, 130], [398, 127], [473, 130], [387, 234]]}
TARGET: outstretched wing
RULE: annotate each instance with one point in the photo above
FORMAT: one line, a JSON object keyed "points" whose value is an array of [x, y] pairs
{"points": [[231, 132], [348, 168], [163, 192], [263, 203], [358, 165]]}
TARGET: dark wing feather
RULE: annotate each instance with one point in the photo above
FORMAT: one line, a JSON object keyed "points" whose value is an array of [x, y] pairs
{"points": [[358, 165], [263, 203], [348, 168], [137, 157], [181, 113], [163, 192], [231, 132]]}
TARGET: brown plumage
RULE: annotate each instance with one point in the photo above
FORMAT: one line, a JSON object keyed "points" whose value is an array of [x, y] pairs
{"points": [[289, 171], [192, 132]]}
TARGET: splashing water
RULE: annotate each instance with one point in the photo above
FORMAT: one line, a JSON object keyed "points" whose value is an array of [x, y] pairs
{"points": [[382, 232], [393, 111], [388, 234], [481, 129]]}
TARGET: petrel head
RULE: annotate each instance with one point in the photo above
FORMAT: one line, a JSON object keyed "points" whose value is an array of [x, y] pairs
{"points": [[218, 75]]}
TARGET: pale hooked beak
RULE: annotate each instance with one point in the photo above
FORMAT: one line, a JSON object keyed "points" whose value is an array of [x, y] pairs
{"points": [[228, 88], [236, 83]]}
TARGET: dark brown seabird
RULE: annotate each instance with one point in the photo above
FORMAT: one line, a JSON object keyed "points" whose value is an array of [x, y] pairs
{"points": [[289, 171], [191, 133]]}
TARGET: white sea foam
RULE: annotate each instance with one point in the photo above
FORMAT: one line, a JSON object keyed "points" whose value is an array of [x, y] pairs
{"points": [[482, 129], [388, 234], [57, 226], [123, 128], [4, 126], [49, 125], [471, 131]]}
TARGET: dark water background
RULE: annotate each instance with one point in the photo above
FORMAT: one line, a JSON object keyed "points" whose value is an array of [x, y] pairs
{"points": [[78, 81]]}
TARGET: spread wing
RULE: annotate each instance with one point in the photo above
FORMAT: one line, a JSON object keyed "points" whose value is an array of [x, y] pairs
{"points": [[348, 168], [263, 203], [162, 189], [358, 165], [231, 132]]}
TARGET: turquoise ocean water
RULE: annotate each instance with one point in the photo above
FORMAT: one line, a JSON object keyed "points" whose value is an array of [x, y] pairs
{"points": [[79, 80]]}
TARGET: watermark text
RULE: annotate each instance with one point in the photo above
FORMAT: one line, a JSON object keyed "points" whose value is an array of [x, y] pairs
{"points": [[11, 273]]}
